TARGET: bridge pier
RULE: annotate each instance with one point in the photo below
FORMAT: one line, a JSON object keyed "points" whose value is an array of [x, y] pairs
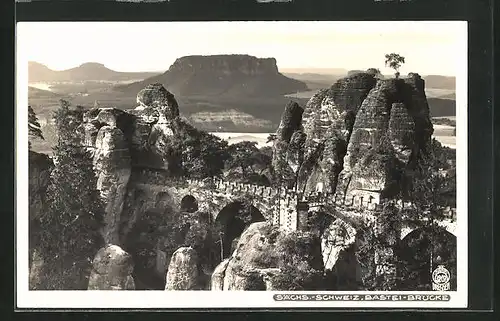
{"points": [[302, 216]]}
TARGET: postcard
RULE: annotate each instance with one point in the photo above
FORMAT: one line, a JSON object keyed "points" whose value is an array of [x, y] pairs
{"points": [[264, 164]]}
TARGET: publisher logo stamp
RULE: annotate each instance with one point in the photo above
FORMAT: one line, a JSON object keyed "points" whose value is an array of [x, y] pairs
{"points": [[441, 279]]}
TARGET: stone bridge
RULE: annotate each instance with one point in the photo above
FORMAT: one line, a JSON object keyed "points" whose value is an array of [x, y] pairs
{"points": [[279, 206], [284, 207]]}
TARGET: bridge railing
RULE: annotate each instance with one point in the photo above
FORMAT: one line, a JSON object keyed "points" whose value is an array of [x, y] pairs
{"points": [[230, 187], [359, 201], [362, 201]]}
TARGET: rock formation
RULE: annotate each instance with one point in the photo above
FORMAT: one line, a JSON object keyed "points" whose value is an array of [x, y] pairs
{"points": [[327, 120], [36, 274], [362, 136], [362, 133], [112, 163], [40, 166], [267, 258], [391, 129], [124, 143], [217, 280], [112, 270], [288, 145], [184, 270], [157, 97]]}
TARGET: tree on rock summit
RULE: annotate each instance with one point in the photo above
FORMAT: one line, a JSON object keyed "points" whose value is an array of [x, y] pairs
{"points": [[394, 61]]}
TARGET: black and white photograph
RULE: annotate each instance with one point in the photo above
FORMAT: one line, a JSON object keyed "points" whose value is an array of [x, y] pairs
{"points": [[242, 164]]}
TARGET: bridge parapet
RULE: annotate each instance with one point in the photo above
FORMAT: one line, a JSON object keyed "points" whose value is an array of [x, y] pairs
{"points": [[368, 200], [339, 199], [229, 187]]}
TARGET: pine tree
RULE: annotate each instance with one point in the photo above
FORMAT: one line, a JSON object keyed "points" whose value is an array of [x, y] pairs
{"points": [[429, 244], [67, 122], [34, 128], [70, 230]]}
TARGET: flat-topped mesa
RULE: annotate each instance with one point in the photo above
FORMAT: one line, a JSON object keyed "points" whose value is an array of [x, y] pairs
{"points": [[227, 64], [231, 76]]}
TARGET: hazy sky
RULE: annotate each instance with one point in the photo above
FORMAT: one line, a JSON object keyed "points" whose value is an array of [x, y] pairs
{"points": [[429, 47]]}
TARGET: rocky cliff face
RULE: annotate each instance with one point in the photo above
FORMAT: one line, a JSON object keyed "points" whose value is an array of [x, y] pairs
{"points": [[361, 134], [40, 166], [391, 129], [126, 144], [223, 75], [288, 145], [227, 64], [328, 119], [266, 258]]}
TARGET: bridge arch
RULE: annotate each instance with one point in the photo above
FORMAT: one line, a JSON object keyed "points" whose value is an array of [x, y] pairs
{"points": [[189, 204], [448, 225], [232, 220], [421, 251]]}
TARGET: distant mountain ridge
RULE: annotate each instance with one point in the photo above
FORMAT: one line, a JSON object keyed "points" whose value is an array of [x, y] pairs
{"points": [[442, 82], [324, 79], [222, 76], [315, 71], [90, 71]]}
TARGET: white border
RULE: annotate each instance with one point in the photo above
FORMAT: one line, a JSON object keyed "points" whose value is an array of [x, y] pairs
{"points": [[212, 299]]}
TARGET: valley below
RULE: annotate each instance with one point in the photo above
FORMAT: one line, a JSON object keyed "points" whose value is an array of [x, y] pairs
{"points": [[236, 102]]}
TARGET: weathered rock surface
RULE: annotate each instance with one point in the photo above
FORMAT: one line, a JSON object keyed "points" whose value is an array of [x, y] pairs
{"points": [[361, 135], [112, 163], [288, 145], [391, 129], [40, 167], [264, 260], [338, 237], [217, 280], [184, 270], [124, 143], [327, 120], [156, 96], [112, 270]]}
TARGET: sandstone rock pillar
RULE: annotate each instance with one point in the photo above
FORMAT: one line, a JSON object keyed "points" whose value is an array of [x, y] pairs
{"points": [[183, 272], [112, 163]]}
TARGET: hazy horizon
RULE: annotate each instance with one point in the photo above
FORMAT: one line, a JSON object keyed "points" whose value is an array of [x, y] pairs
{"points": [[429, 47]]}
